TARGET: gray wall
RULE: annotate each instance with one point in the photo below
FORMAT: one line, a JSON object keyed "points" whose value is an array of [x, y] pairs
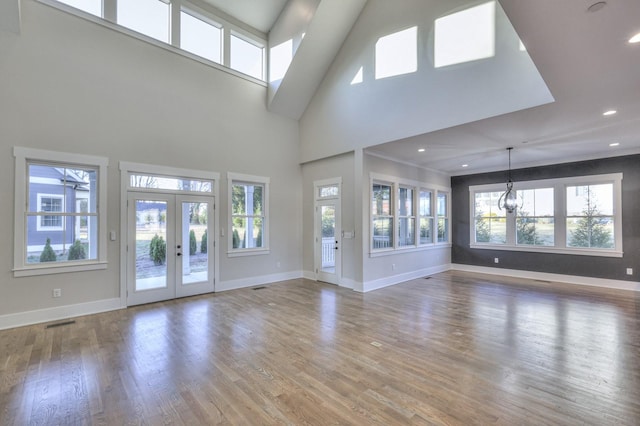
{"points": [[70, 85], [587, 266]]}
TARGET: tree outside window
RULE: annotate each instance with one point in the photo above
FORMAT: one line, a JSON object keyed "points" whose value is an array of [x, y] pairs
{"points": [[590, 216]]}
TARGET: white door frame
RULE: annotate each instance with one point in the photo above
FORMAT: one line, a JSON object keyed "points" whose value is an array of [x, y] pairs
{"points": [[128, 168], [319, 202]]}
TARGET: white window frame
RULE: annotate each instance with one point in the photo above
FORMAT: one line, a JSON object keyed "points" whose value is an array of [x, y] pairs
{"points": [[410, 218], [39, 225], [23, 156], [560, 238], [447, 217], [240, 178], [431, 217], [396, 183]]}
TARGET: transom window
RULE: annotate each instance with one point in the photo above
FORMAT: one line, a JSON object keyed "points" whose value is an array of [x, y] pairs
{"points": [[168, 183], [578, 215], [59, 221]]}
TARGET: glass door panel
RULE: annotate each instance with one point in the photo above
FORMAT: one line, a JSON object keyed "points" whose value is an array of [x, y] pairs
{"points": [[327, 251], [150, 248], [151, 244], [329, 242], [195, 259]]}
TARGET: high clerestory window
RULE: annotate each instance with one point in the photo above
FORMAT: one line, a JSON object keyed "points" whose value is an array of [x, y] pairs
{"points": [[194, 30]]}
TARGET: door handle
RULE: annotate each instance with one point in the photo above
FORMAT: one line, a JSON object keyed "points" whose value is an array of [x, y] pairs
{"points": [[178, 246], [178, 254]]}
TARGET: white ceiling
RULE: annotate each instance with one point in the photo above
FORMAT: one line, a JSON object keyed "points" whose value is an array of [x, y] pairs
{"points": [[589, 67], [586, 63], [260, 14]]}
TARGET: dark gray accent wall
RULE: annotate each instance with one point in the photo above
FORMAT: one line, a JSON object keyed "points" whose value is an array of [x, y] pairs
{"points": [[586, 266]]}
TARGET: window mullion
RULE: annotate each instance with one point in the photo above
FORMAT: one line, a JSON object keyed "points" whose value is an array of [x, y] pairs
{"points": [[175, 7], [110, 10], [560, 215]]}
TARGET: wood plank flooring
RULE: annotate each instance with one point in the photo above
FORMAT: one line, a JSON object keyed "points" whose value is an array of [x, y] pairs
{"points": [[455, 349]]}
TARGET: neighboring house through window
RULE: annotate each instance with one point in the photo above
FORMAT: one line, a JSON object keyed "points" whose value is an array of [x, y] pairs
{"points": [[59, 220]]}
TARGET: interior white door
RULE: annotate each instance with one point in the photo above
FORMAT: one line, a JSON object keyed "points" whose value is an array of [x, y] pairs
{"points": [[166, 256], [328, 257]]}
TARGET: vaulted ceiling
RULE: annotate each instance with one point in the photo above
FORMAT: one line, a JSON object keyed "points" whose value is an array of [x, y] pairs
{"points": [[582, 54]]}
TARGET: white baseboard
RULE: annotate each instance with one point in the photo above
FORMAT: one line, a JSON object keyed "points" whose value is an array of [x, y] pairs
{"points": [[60, 312], [543, 276], [348, 283], [259, 280], [397, 279]]}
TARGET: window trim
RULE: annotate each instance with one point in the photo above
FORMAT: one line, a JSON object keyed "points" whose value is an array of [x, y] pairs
{"points": [[39, 225], [417, 187], [559, 185], [24, 156], [236, 178]]}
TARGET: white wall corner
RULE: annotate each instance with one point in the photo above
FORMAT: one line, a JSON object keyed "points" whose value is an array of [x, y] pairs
{"points": [[309, 275], [543, 276], [10, 16], [400, 278], [58, 313]]}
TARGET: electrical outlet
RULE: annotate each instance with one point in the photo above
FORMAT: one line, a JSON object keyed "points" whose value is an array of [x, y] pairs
{"points": [[393, 266], [57, 292], [496, 260], [277, 264], [629, 271]]}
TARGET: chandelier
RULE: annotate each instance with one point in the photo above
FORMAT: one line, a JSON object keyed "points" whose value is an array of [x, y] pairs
{"points": [[508, 201]]}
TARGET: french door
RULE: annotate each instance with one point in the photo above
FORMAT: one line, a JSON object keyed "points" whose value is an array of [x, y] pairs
{"points": [[169, 252], [327, 251]]}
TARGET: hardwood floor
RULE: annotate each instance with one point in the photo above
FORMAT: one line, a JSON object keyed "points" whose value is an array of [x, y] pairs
{"points": [[452, 349]]}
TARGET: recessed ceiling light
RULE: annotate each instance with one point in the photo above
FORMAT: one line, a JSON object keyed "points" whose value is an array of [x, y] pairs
{"points": [[635, 39], [465, 165], [614, 144], [421, 150], [610, 112]]}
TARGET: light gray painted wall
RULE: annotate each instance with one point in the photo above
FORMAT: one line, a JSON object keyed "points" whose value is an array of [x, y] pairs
{"points": [[70, 85], [376, 268], [342, 117], [340, 166]]}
